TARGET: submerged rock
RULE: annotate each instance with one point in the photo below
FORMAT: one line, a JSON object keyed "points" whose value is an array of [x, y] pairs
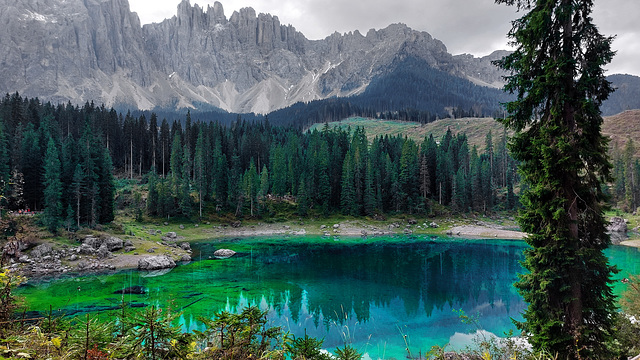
{"points": [[136, 290]]}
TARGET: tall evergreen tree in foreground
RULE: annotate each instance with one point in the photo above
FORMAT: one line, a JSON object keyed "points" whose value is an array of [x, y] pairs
{"points": [[557, 74]]}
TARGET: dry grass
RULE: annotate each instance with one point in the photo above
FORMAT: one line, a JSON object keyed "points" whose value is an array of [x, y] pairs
{"points": [[475, 128], [623, 126]]}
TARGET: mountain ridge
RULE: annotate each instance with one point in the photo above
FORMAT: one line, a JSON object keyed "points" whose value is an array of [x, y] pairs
{"points": [[83, 50], [97, 50]]}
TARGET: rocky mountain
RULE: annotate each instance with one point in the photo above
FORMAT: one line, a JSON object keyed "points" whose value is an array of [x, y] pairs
{"points": [[83, 50]]}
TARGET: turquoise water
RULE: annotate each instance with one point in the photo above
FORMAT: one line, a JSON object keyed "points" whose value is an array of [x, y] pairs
{"points": [[367, 292]]}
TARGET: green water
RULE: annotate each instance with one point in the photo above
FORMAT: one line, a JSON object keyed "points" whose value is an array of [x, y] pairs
{"points": [[369, 292]]}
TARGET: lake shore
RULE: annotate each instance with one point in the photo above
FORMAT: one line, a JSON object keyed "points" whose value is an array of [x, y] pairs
{"points": [[153, 239], [150, 234]]}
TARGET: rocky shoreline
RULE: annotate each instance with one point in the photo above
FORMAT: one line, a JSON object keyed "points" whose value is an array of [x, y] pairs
{"points": [[94, 254], [106, 253]]}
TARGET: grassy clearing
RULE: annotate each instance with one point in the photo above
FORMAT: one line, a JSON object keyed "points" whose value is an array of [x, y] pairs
{"points": [[475, 128], [622, 127]]}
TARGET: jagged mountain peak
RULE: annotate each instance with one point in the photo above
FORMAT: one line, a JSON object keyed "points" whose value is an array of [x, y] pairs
{"points": [[81, 50]]}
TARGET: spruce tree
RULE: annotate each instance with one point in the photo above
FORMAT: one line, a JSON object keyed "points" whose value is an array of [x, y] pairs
{"points": [[557, 74], [52, 214]]}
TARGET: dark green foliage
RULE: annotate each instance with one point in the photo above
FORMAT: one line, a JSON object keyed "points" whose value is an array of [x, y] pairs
{"points": [[52, 214], [306, 348], [348, 352], [342, 171], [557, 74], [240, 336], [153, 335]]}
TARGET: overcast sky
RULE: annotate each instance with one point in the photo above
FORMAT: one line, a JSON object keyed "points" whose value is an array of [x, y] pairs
{"points": [[465, 26]]}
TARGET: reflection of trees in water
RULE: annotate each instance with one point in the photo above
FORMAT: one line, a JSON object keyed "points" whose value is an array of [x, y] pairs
{"points": [[332, 282], [346, 279]]}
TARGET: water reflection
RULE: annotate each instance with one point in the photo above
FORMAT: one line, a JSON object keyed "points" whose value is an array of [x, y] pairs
{"points": [[368, 292]]}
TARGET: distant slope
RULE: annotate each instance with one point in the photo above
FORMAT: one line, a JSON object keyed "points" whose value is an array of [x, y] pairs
{"points": [[475, 128], [625, 97], [619, 128], [623, 126]]}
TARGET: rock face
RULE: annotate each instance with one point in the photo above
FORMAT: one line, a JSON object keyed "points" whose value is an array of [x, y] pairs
{"points": [[96, 50], [617, 230], [156, 263]]}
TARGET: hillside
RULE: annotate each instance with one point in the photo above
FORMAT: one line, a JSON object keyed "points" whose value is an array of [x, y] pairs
{"points": [[622, 127], [475, 128]]}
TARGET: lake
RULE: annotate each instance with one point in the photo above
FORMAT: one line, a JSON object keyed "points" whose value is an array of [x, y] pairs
{"points": [[367, 292]]}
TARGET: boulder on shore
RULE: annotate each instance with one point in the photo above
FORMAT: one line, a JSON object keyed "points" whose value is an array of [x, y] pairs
{"points": [[156, 263], [41, 250], [617, 230], [223, 253], [112, 243]]}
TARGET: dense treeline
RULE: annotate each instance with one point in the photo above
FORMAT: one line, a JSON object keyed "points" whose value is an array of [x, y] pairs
{"points": [[625, 190], [56, 159], [59, 159]]}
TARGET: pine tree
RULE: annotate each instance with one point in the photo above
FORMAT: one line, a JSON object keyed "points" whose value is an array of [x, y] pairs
{"points": [[152, 197], [348, 192], [175, 162], [303, 199], [199, 169], [52, 214], [629, 176], [264, 182], [251, 183], [557, 74], [184, 187], [77, 191]]}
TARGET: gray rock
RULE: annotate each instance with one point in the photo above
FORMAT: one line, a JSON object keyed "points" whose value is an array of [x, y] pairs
{"points": [[156, 263], [113, 243], [128, 243], [86, 249], [94, 242], [617, 230], [433, 225], [170, 235], [15, 247], [41, 250], [103, 252], [185, 258], [223, 253], [185, 246]]}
